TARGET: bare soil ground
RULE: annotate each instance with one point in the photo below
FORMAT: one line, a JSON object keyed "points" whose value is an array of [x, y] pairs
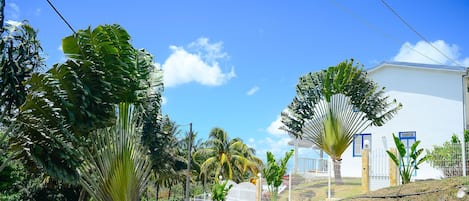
{"points": [[429, 190]]}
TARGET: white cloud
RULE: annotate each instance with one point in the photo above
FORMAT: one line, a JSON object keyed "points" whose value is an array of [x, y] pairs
{"points": [[277, 145], [252, 91], [12, 11], [37, 12], [164, 100], [199, 63], [251, 140], [274, 127], [14, 23], [414, 53]]}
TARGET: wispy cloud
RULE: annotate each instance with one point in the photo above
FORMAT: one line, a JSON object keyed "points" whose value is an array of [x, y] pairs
{"points": [[12, 11], [198, 62], [252, 91], [422, 52], [37, 12]]}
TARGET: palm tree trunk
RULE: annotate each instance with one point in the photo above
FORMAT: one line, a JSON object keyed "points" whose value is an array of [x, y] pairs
{"points": [[157, 191], [337, 173], [169, 191]]}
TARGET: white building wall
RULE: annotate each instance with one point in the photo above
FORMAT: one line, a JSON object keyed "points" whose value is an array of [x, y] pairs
{"points": [[432, 107]]}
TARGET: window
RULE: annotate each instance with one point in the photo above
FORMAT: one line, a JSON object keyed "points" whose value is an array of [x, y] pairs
{"points": [[359, 143], [408, 138]]}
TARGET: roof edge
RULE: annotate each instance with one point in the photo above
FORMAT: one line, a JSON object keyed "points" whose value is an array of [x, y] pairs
{"points": [[461, 69]]}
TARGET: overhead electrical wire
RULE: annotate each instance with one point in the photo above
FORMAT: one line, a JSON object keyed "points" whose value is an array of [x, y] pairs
{"points": [[418, 34], [61, 16], [383, 33]]}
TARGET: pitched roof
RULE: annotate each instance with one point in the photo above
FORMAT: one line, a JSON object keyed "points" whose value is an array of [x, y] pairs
{"points": [[419, 66]]}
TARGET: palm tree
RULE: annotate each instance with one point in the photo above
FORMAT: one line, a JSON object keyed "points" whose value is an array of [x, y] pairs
{"points": [[333, 105], [226, 157], [160, 137], [73, 99], [116, 166]]}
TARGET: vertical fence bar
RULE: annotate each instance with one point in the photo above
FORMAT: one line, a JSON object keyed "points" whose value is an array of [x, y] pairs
{"points": [[289, 187], [329, 165], [463, 155]]}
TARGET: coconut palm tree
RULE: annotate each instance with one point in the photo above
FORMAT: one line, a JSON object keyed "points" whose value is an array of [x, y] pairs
{"points": [[226, 157], [116, 166], [333, 105]]}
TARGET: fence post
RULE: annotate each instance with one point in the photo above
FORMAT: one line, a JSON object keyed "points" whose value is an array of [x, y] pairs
{"points": [[393, 173], [365, 171], [259, 187]]}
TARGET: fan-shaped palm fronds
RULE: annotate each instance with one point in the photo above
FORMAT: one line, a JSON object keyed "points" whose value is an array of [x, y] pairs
{"points": [[116, 166], [332, 105], [76, 97]]}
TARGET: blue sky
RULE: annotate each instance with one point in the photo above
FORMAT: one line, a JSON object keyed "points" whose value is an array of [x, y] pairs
{"points": [[234, 64]]}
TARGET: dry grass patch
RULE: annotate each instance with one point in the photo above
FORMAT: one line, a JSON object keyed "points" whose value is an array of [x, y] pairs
{"points": [[317, 190], [444, 189]]}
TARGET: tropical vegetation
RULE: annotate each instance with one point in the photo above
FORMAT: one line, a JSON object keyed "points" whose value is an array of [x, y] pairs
{"points": [[230, 158], [91, 127], [333, 105], [448, 157], [274, 171], [407, 160], [115, 166], [220, 190]]}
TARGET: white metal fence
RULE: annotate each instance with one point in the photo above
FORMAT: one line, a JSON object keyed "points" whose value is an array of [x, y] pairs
{"points": [[379, 169], [312, 167], [449, 159]]}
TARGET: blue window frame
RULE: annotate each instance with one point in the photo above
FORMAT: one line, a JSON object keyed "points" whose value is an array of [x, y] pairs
{"points": [[408, 138], [359, 143]]}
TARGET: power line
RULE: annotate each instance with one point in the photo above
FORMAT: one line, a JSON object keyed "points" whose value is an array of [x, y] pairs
{"points": [[383, 33], [60, 15], [418, 34]]}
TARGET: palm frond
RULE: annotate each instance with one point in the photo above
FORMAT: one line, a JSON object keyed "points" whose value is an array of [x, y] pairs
{"points": [[116, 168]]}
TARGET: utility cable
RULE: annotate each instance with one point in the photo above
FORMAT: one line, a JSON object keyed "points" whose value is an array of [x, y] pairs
{"points": [[61, 16], [418, 34], [377, 30]]}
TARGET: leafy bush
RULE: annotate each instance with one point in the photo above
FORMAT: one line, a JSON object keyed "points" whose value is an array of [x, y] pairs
{"points": [[448, 157]]}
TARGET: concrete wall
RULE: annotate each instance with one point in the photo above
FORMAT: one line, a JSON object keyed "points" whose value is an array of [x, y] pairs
{"points": [[432, 107]]}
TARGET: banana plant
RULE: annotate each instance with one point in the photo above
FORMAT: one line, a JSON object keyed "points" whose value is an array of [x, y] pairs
{"points": [[220, 191], [406, 169], [274, 172]]}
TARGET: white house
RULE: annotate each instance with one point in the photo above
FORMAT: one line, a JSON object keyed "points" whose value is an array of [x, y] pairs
{"points": [[434, 100]]}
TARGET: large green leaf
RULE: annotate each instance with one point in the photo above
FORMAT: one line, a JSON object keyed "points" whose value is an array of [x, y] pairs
{"points": [[76, 97], [116, 166], [21, 56]]}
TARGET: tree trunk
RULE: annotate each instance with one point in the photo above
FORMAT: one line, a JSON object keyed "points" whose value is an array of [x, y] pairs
{"points": [[169, 191], [337, 173], [157, 191], [184, 188]]}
